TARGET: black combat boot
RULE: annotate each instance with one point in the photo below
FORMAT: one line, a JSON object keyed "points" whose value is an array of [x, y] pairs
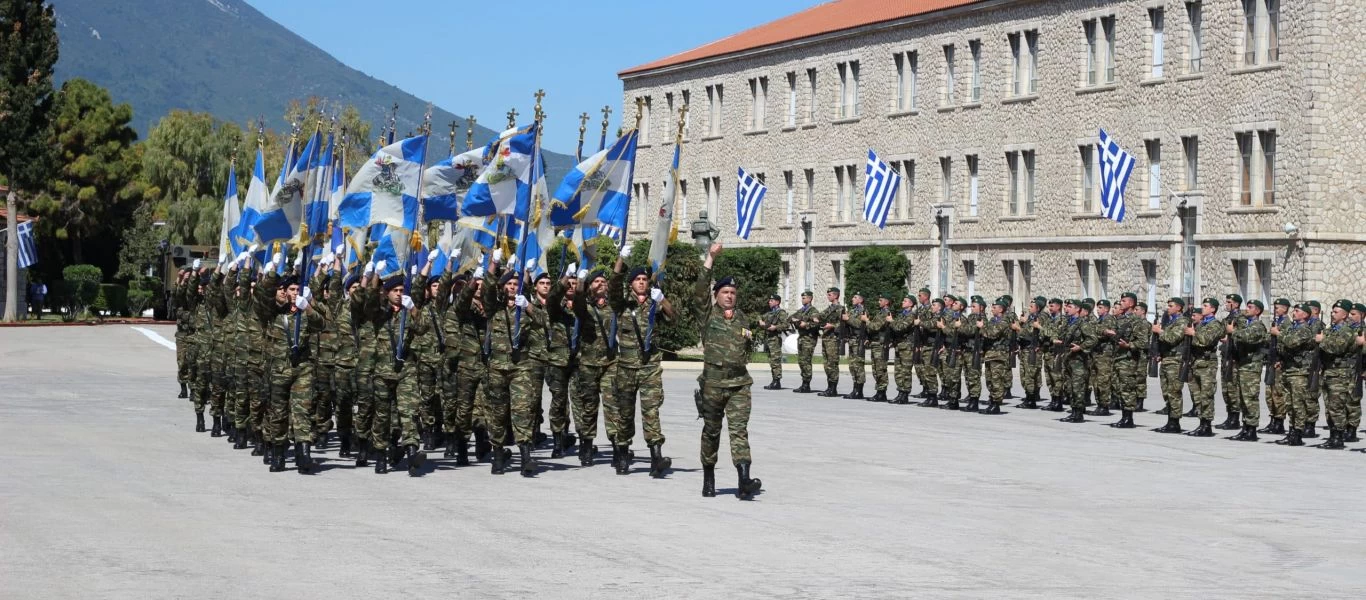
{"points": [[622, 454], [557, 446], [931, 401], [538, 438], [257, 447], [1029, 402], [229, 430], [1249, 434], [831, 391], [184, 391], [1232, 422], [902, 397], [586, 453], [199, 422], [395, 452], [775, 384], [1173, 425], [217, 430], [303, 458], [482, 448], [344, 443], [277, 463], [496, 465], [805, 387], [416, 459], [268, 455], [1164, 411], [569, 440], [1350, 436], [659, 463], [993, 408], [1292, 438], [880, 396], [429, 441], [1126, 420], [1193, 412], [1309, 432], [1078, 416], [855, 393], [1270, 426], [528, 463], [1115, 404], [462, 449], [1102, 410], [381, 461], [241, 442], [362, 451], [747, 486], [709, 481], [1205, 429], [971, 405], [1334, 440], [950, 404], [1057, 404]]}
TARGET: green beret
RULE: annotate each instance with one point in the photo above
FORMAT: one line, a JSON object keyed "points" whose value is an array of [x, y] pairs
{"points": [[980, 301], [884, 296], [1282, 302], [1009, 300], [1359, 307], [1304, 307], [1129, 295], [1257, 303], [977, 297], [1344, 304], [925, 290], [1040, 301], [1210, 301], [1071, 301], [857, 295], [1235, 298], [1091, 301], [1177, 300], [1087, 306], [1314, 304], [909, 296], [776, 297], [807, 294], [1103, 302], [833, 290], [1003, 302], [1057, 301], [1143, 305]]}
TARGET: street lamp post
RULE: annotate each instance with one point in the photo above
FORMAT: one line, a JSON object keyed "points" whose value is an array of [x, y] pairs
{"points": [[703, 233]]}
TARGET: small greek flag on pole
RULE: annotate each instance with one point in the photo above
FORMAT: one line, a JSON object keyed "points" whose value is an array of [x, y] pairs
{"points": [[28, 251], [749, 197], [1115, 167], [879, 191]]}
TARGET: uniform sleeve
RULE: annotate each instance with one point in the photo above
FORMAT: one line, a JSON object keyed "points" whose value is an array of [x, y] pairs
{"points": [[616, 290], [1208, 335]]}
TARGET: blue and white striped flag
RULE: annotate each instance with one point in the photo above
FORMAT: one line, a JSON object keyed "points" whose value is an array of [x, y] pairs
{"points": [[1115, 167], [28, 251], [749, 198], [879, 191]]}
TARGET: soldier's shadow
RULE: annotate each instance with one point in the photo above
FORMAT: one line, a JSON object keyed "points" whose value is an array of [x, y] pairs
{"points": [[731, 492]]}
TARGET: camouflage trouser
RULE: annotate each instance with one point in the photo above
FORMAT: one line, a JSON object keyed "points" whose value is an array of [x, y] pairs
{"points": [[526, 405], [1229, 391], [1138, 374], [929, 374], [904, 368], [500, 392], [1078, 374], [998, 375], [459, 406], [324, 399], [951, 377], [1296, 383], [344, 397], [1129, 381], [258, 396], [1277, 396], [856, 363], [1337, 384], [973, 375], [397, 406], [536, 386], [1171, 384], [1354, 406], [1031, 370], [1312, 404], [591, 385], [649, 383], [184, 358], [289, 409], [879, 366], [1202, 384], [806, 348], [365, 399], [774, 345], [557, 379], [732, 404], [203, 380], [428, 393], [242, 389], [1249, 388], [830, 355], [1103, 378], [1056, 371]]}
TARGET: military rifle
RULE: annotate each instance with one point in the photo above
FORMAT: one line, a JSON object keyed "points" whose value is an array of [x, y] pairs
{"points": [[1033, 339], [935, 359], [953, 349], [842, 330], [1272, 357], [916, 340], [862, 337], [1356, 375], [1185, 373], [1154, 349], [886, 339], [977, 350], [1315, 368]]}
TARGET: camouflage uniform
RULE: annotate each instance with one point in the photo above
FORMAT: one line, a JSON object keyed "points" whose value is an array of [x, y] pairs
{"points": [[594, 379], [773, 339], [237, 295], [1053, 326], [879, 333], [1170, 342], [902, 326], [470, 322], [1339, 355], [1082, 332], [1103, 372], [638, 366], [1032, 353], [344, 346], [725, 380], [185, 297], [995, 335], [365, 304], [395, 403], [289, 375], [202, 343], [925, 362], [807, 336], [429, 348], [325, 346], [1296, 347], [858, 342], [1204, 364], [1131, 378], [1278, 393], [1313, 404], [1228, 367], [1248, 350], [556, 345], [972, 370], [830, 343], [507, 395], [219, 331], [951, 357]]}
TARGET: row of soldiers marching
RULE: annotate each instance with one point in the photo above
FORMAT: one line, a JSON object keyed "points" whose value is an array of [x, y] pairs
{"points": [[400, 370], [1086, 347]]}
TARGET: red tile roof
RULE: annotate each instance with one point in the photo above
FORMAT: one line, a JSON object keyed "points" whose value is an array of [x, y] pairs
{"points": [[829, 17]]}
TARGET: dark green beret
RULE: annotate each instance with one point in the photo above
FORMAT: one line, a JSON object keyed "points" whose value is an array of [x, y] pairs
{"points": [[1009, 300], [857, 295], [776, 297], [1071, 301], [1003, 302], [1304, 307], [807, 294], [833, 290], [1057, 301], [1091, 301], [1103, 302], [1040, 301], [1359, 307], [910, 297], [1314, 304], [1257, 303], [1211, 301], [1142, 305], [1235, 298], [925, 290], [1282, 302], [977, 297], [1087, 306], [1177, 300], [1129, 295], [884, 296], [1344, 304], [980, 301]]}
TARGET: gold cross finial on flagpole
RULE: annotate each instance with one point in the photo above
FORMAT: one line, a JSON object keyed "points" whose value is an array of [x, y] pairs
{"points": [[512, 118], [640, 111], [453, 126], [469, 132], [540, 95]]}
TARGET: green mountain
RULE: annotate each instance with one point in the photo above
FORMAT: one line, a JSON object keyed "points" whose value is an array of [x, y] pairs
{"points": [[226, 58]]}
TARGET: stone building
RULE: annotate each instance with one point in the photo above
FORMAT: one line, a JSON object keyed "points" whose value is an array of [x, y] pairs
{"points": [[1243, 117]]}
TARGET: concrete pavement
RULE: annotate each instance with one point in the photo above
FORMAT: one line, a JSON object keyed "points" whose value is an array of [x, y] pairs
{"points": [[107, 492]]}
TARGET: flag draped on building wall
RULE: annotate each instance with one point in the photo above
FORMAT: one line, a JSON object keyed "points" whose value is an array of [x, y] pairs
{"points": [[879, 190], [749, 197], [1115, 167]]}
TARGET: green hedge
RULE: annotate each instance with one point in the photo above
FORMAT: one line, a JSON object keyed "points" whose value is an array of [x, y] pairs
{"points": [[112, 300], [756, 270], [682, 266], [82, 286], [874, 270]]}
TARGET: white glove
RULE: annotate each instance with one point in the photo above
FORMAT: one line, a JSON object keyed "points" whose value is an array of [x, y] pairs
{"points": [[379, 267], [625, 252], [413, 270], [657, 294], [339, 249], [306, 293], [408, 302], [277, 259], [242, 257], [299, 260], [570, 269], [520, 301], [431, 256], [583, 273], [496, 257], [254, 248], [268, 267], [512, 261], [369, 269], [195, 265], [301, 302], [479, 272], [455, 255], [531, 264]]}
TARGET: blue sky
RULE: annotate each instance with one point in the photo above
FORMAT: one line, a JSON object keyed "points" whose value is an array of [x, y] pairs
{"points": [[461, 55]]}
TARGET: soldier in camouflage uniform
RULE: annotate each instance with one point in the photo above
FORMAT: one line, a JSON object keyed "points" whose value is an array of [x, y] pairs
{"points": [[807, 323], [920, 351], [467, 319], [1050, 333], [240, 319], [972, 370], [345, 349], [395, 401], [879, 333], [1032, 351], [1277, 393], [280, 304], [1104, 328], [1170, 338], [931, 337], [429, 348], [725, 380], [561, 352], [507, 393], [1317, 326], [1339, 352], [1131, 356], [1081, 338], [183, 297], [1247, 347], [856, 323], [1228, 369], [1295, 348], [903, 326], [995, 335], [1205, 336], [638, 363], [217, 299], [773, 324], [364, 305], [954, 325], [832, 331], [324, 351], [594, 379], [1354, 402]]}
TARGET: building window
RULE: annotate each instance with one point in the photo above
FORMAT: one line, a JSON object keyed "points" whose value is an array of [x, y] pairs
{"points": [[1154, 148], [1024, 59], [687, 118], [1089, 27], [1195, 50], [1257, 167], [1190, 147], [1150, 283], [971, 161], [791, 196], [1094, 277], [709, 185], [970, 275], [848, 100], [758, 100], [906, 191], [1013, 183], [683, 198], [669, 114], [1155, 23], [1253, 279], [787, 282], [844, 192], [975, 49], [1084, 278], [837, 269], [1261, 31], [1026, 280], [946, 180], [907, 75], [792, 99], [1100, 50], [1032, 43], [1107, 27], [1028, 157], [1017, 274], [714, 101], [1020, 183], [642, 200], [810, 189], [1087, 193], [810, 96], [947, 99], [644, 104]]}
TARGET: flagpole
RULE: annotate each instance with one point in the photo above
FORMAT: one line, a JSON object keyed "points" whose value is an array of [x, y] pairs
{"points": [[673, 185], [307, 250], [417, 227], [469, 132], [538, 116], [640, 114]]}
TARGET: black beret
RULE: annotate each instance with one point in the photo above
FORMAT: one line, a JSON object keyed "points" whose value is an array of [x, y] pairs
{"points": [[1177, 300], [724, 282], [434, 279], [596, 274], [350, 280], [393, 282], [508, 275], [543, 275], [637, 272], [287, 281]]}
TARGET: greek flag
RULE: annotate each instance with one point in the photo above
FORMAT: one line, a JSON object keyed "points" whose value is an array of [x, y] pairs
{"points": [[444, 184], [1115, 167], [665, 229], [505, 183], [28, 251], [258, 202], [879, 191], [385, 189], [749, 198], [228, 246], [598, 190], [281, 220]]}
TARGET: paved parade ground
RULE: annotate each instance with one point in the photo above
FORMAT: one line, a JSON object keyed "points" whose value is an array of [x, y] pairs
{"points": [[107, 492]]}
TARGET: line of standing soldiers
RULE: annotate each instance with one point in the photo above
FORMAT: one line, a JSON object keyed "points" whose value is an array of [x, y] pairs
{"points": [[400, 373], [1086, 348]]}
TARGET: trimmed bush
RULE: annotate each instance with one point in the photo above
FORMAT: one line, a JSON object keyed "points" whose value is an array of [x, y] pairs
{"points": [[875, 270], [82, 284], [112, 300], [682, 265]]}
